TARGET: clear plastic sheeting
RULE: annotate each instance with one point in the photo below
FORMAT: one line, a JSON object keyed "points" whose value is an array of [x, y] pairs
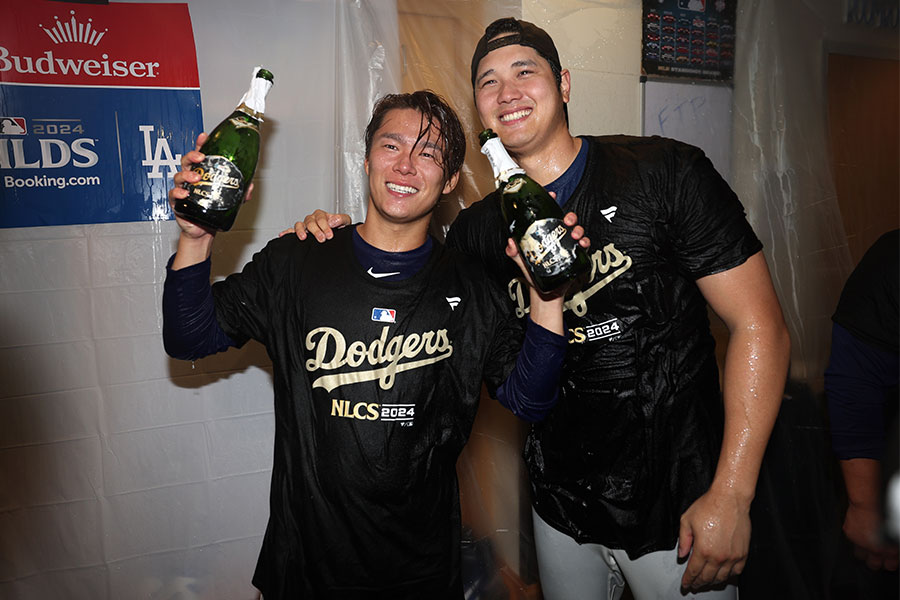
{"points": [[368, 51], [783, 171], [783, 175]]}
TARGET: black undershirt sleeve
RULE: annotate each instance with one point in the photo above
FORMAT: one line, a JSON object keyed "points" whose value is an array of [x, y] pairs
{"points": [[531, 389], [190, 328]]}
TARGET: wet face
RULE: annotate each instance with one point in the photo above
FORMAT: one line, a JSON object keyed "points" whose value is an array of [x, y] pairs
{"points": [[405, 175], [517, 96]]}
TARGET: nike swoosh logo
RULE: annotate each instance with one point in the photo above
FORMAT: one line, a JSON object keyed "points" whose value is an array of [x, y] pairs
{"points": [[380, 275]]}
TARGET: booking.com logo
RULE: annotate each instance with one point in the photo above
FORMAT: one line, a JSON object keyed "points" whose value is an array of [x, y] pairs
{"points": [[43, 181]]}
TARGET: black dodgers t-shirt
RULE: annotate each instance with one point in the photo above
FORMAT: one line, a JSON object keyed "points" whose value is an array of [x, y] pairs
{"points": [[635, 436], [376, 387]]}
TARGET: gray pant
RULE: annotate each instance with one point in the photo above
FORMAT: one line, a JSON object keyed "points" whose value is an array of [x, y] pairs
{"points": [[573, 571]]}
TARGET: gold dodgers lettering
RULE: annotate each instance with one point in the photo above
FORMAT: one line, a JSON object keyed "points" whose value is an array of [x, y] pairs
{"points": [[330, 351], [608, 262]]}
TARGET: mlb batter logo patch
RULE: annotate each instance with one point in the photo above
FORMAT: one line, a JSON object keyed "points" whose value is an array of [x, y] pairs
{"points": [[384, 315], [13, 126]]}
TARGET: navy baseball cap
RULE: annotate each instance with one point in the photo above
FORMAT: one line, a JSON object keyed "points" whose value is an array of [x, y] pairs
{"points": [[518, 32]]}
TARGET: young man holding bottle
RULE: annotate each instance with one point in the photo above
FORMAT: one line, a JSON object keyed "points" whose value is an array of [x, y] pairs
{"points": [[644, 471], [379, 343]]}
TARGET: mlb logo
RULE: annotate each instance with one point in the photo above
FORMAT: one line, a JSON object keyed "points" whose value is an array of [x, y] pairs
{"points": [[13, 126], [384, 315]]}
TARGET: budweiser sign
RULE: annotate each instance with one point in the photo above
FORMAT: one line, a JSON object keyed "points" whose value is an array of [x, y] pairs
{"points": [[91, 46]]}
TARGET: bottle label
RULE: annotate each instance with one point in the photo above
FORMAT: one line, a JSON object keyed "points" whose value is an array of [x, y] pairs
{"points": [[548, 247], [221, 184]]}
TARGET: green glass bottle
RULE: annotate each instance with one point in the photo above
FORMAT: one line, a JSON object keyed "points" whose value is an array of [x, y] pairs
{"points": [[534, 220], [232, 151]]}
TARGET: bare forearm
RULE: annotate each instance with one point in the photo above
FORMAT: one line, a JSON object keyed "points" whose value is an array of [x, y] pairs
{"points": [[755, 371], [862, 478], [547, 311], [192, 250], [716, 528]]}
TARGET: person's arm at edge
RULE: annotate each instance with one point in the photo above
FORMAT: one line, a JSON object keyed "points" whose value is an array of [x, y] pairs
{"points": [[862, 523], [715, 529], [858, 441]]}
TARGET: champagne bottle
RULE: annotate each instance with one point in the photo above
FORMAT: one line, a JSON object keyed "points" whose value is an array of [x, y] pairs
{"points": [[232, 151], [535, 220]]}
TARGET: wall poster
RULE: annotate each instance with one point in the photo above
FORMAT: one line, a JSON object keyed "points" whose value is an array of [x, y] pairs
{"points": [[96, 109], [688, 38]]}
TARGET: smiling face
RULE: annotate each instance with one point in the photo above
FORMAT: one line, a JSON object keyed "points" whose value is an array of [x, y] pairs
{"points": [[517, 96], [406, 178]]}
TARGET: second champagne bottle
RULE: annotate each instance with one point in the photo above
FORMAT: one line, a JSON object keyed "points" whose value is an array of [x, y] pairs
{"points": [[534, 221]]}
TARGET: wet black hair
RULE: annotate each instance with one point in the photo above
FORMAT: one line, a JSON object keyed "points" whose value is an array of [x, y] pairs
{"points": [[436, 113]]}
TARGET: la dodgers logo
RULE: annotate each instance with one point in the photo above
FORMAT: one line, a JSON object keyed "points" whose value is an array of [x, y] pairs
{"points": [[161, 157]]}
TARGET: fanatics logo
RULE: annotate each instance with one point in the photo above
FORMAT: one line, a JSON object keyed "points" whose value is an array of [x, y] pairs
{"points": [[609, 213], [453, 301], [384, 315]]}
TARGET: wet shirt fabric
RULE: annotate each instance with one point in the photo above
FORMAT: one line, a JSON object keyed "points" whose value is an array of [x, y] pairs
{"points": [[635, 436], [869, 306], [376, 388]]}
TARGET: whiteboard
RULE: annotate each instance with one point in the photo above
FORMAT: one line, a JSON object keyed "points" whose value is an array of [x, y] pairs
{"points": [[699, 114]]}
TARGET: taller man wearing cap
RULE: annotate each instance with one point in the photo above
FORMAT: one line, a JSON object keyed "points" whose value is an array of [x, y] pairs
{"points": [[641, 464], [631, 471]]}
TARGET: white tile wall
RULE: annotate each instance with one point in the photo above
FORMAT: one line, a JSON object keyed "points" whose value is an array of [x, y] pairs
{"points": [[42, 539], [52, 417], [26, 370], [599, 42], [48, 473], [160, 530]]}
